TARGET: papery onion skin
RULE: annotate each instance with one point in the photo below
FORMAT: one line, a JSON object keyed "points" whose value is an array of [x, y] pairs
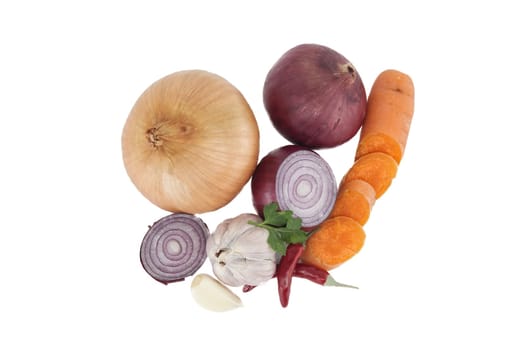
{"points": [[174, 247], [271, 182], [191, 142], [315, 97]]}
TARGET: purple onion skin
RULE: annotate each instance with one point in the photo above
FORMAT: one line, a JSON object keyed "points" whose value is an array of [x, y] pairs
{"points": [[315, 97]]}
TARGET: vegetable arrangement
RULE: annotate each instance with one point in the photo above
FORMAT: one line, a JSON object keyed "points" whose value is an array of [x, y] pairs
{"points": [[191, 143]]}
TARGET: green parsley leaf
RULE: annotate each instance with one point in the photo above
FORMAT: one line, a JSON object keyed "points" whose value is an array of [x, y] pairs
{"points": [[270, 210], [294, 223], [275, 217], [275, 242], [283, 227]]}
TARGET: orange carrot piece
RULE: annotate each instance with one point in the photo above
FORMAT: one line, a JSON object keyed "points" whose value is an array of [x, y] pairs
{"points": [[378, 169], [335, 241], [390, 108], [355, 199]]}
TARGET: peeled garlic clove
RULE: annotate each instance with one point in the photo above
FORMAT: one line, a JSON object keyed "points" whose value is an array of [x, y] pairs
{"points": [[213, 295]]}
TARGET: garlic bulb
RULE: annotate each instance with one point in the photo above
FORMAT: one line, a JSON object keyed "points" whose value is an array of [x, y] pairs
{"points": [[239, 252]]}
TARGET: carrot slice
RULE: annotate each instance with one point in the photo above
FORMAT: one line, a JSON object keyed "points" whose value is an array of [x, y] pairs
{"points": [[390, 108], [378, 169], [335, 241], [355, 199]]}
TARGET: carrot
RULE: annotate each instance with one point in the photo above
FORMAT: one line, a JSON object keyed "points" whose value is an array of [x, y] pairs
{"points": [[390, 108], [382, 142], [334, 242], [355, 199], [378, 169]]}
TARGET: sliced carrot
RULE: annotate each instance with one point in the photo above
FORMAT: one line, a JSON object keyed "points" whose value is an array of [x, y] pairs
{"points": [[378, 169], [381, 146], [390, 108], [355, 199], [335, 241]]}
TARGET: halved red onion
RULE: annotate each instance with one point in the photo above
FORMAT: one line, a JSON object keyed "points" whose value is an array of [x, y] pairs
{"points": [[298, 179], [174, 247]]}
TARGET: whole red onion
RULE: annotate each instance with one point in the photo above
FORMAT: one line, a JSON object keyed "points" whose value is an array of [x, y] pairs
{"points": [[315, 97]]}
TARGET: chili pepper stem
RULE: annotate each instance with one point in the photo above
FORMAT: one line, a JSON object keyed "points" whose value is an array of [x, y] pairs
{"points": [[331, 282]]}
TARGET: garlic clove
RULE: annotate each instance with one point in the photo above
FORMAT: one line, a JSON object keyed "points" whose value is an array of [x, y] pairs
{"points": [[212, 295]]}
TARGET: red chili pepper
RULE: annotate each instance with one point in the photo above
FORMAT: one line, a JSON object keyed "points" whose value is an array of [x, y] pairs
{"points": [[311, 273], [285, 271], [317, 275]]}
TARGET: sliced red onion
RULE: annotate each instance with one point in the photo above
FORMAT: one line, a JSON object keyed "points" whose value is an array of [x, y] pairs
{"points": [[298, 179], [174, 247]]}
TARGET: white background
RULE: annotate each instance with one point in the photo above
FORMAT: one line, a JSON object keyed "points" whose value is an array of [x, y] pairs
{"points": [[443, 263]]}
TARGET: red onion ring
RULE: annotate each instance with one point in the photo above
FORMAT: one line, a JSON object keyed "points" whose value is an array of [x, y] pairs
{"points": [[174, 247], [298, 179]]}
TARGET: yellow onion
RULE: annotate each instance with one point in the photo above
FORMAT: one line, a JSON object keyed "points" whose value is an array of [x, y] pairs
{"points": [[190, 142]]}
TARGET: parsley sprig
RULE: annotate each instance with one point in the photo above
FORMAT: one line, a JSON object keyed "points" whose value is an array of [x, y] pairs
{"points": [[284, 228]]}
